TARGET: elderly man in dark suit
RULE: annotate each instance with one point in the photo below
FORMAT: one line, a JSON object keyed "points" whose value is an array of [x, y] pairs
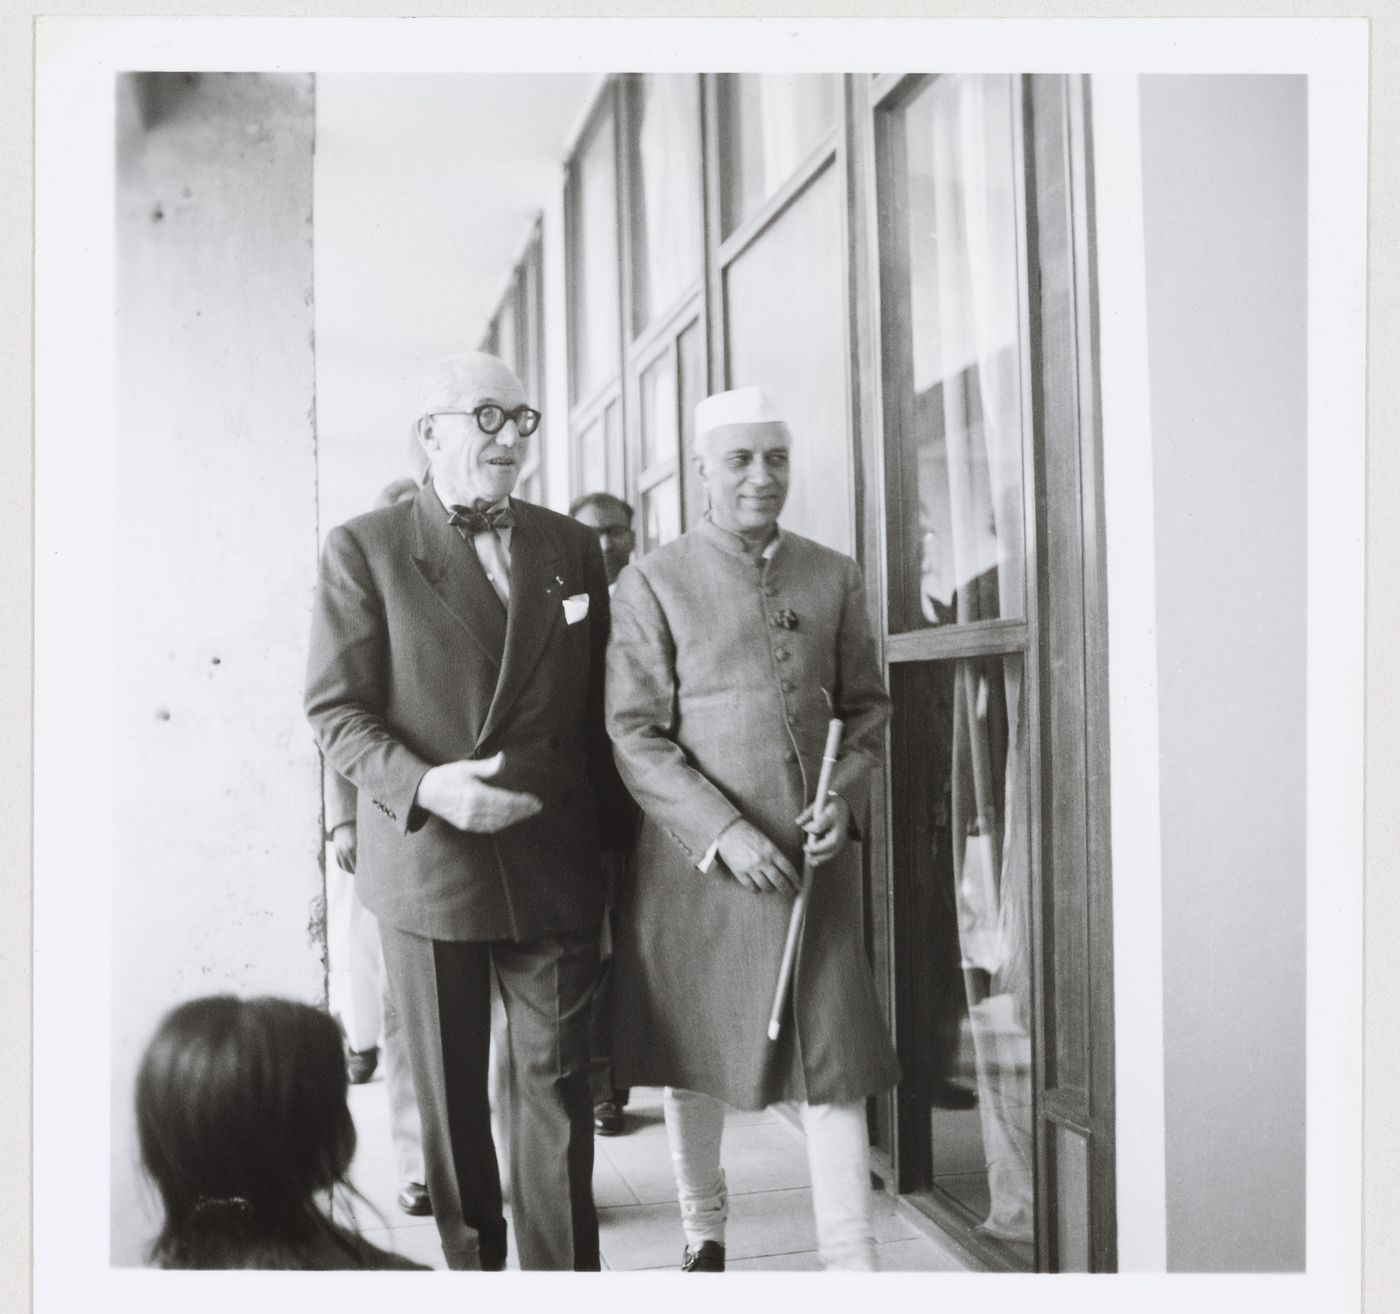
{"points": [[723, 644], [455, 679]]}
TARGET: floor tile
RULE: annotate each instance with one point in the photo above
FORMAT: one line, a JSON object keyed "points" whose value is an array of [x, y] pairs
{"points": [[761, 1224], [916, 1255], [767, 1157], [761, 1153], [418, 1243], [609, 1185], [770, 1228], [911, 1255], [803, 1261]]}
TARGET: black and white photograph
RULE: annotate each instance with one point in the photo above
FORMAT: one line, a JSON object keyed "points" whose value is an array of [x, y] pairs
{"points": [[699, 646]]}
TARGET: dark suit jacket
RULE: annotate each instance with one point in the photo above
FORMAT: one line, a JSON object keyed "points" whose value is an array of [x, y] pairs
{"points": [[414, 664]]}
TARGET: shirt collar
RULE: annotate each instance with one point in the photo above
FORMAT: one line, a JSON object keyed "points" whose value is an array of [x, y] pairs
{"points": [[730, 542]]}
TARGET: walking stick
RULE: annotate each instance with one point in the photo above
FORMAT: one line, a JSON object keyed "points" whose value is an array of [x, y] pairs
{"points": [[799, 905]]}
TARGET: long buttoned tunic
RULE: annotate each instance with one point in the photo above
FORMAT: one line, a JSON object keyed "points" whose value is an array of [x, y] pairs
{"points": [[716, 667]]}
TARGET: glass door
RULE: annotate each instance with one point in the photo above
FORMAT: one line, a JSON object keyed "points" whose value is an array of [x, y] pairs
{"points": [[959, 644], [995, 627]]}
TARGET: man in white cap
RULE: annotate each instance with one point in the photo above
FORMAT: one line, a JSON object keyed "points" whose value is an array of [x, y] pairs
{"points": [[726, 644], [455, 679]]}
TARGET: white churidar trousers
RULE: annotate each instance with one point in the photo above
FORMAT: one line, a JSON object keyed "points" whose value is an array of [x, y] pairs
{"points": [[837, 1153]]}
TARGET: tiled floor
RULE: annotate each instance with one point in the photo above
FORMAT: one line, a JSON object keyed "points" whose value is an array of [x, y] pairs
{"points": [[770, 1205]]}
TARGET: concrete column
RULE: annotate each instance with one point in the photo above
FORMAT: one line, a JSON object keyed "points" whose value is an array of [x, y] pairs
{"points": [[216, 879]]}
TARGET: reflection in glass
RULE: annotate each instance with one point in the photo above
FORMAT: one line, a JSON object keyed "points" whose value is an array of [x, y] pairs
{"points": [[661, 514], [596, 293], [659, 411], [959, 422], [960, 733], [769, 124], [666, 212]]}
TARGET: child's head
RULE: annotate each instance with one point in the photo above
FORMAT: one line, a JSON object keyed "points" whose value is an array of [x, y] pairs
{"points": [[242, 1118]]}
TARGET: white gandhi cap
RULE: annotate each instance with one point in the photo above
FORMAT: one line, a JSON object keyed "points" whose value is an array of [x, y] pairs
{"points": [[737, 406]]}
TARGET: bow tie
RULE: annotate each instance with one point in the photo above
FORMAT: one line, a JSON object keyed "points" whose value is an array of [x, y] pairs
{"points": [[480, 519]]}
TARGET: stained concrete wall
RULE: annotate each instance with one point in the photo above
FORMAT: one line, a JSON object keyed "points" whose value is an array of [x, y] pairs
{"points": [[1224, 166], [216, 883]]}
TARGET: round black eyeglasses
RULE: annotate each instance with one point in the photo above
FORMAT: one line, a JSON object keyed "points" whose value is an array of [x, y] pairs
{"points": [[491, 419]]}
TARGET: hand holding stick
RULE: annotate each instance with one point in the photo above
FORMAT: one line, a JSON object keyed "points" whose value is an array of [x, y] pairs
{"points": [[799, 906]]}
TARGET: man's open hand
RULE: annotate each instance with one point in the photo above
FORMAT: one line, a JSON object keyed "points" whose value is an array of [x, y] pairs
{"points": [[755, 861], [456, 792]]}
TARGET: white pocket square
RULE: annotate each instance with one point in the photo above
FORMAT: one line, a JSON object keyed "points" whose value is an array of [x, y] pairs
{"points": [[576, 608]]}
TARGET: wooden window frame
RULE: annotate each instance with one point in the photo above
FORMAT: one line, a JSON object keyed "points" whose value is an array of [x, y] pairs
{"points": [[605, 115], [1053, 128]]}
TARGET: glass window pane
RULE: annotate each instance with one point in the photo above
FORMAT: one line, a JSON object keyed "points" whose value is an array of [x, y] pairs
{"points": [[692, 390], [661, 514], [963, 856], [596, 256], [769, 124], [529, 337], [786, 308], [592, 459], [666, 209], [506, 345], [954, 338], [1071, 1201], [612, 431], [659, 431]]}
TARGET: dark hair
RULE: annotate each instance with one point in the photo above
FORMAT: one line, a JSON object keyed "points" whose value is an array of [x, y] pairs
{"points": [[242, 1119], [602, 501]]}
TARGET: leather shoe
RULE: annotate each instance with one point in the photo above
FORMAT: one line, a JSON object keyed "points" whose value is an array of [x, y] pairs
{"points": [[709, 1258], [361, 1063], [607, 1118], [413, 1199]]}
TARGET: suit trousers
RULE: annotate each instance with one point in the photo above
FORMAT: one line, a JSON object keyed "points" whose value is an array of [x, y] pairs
{"points": [[442, 989]]}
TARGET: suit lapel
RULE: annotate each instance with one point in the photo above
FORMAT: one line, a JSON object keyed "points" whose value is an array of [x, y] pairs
{"points": [[453, 571], [536, 607]]}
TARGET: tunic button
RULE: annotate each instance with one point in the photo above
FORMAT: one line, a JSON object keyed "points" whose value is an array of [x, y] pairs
{"points": [[787, 686], [789, 756], [780, 654], [770, 589]]}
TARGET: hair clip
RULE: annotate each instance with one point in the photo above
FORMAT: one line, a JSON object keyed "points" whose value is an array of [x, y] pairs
{"points": [[236, 1206]]}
